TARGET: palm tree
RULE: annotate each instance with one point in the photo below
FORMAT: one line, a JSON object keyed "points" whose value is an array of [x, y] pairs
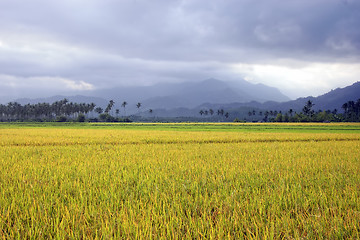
{"points": [[91, 108], [307, 109], [357, 109], [345, 107], [124, 106], [99, 110], [291, 111], [138, 105], [109, 106], [14, 109], [266, 114], [3, 112]]}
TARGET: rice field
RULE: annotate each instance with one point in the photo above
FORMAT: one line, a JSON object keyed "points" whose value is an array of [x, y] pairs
{"points": [[180, 181]]}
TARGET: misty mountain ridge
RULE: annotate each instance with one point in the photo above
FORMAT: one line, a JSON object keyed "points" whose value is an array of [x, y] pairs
{"points": [[187, 98], [176, 95], [328, 101], [192, 94]]}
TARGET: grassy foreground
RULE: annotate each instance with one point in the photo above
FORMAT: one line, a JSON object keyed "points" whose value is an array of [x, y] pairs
{"points": [[178, 181]]}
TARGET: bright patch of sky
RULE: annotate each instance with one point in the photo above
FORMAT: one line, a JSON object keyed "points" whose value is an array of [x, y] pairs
{"points": [[309, 80]]}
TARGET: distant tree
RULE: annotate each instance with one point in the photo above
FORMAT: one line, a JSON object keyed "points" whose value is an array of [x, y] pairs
{"points": [[81, 118], [285, 118], [103, 117], [357, 109], [291, 112], [92, 106], [138, 105], [352, 111], [278, 118], [61, 119], [307, 109], [99, 110], [124, 106], [151, 111], [266, 115], [109, 106], [211, 111]]}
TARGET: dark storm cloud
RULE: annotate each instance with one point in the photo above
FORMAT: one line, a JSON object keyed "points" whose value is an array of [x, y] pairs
{"points": [[112, 42]]}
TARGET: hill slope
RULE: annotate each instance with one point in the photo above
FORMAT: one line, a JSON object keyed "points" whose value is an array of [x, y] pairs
{"points": [[186, 99], [192, 94], [328, 101]]}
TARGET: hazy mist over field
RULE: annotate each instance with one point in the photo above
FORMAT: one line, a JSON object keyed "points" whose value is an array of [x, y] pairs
{"points": [[301, 47]]}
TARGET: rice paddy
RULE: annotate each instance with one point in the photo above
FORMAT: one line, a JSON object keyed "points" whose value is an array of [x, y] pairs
{"points": [[180, 181]]}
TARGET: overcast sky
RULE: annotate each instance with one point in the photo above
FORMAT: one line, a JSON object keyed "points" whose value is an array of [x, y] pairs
{"points": [[302, 47]]}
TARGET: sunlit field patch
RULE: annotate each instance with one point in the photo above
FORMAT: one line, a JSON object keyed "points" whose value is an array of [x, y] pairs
{"points": [[159, 182]]}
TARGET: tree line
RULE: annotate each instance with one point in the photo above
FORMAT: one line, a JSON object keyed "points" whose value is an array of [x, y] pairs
{"points": [[351, 113], [60, 111], [64, 110], [220, 112]]}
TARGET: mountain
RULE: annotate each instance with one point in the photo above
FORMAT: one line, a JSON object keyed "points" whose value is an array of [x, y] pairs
{"points": [[262, 92], [186, 99], [191, 94], [174, 95], [328, 101], [336, 98]]}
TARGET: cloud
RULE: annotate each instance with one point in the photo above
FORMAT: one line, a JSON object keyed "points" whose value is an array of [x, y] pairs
{"points": [[80, 85], [40, 85], [188, 30], [105, 43], [310, 79], [68, 83]]}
